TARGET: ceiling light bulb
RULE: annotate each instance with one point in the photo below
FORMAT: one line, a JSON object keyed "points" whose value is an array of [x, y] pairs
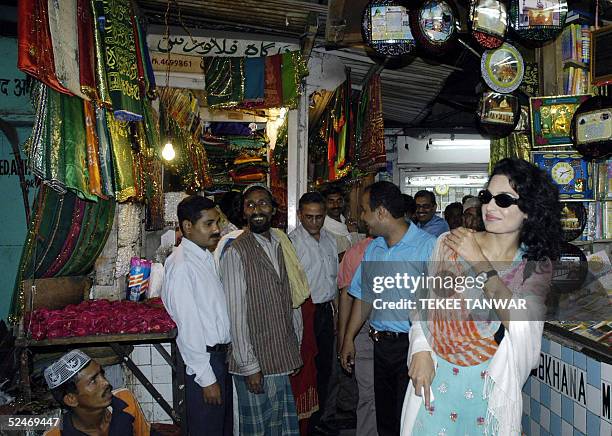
{"points": [[168, 151]]}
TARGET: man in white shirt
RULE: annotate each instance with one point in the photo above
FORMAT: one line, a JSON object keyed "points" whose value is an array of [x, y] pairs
{"points": [[317, 250], [193, 296]]}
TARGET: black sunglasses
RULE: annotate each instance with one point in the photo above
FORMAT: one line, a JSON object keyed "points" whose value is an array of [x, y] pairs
{"points": [[502, 200]]}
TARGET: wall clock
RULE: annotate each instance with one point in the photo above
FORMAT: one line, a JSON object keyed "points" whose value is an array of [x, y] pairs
{"points": [[569, 171]]}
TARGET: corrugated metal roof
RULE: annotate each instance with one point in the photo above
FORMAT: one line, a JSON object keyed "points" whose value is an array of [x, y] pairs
{"points": [[406, 92], [284, 17]]}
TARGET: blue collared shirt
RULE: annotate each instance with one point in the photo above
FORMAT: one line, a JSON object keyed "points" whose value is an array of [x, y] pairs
{"points": [[414, 251], [435, 226]]}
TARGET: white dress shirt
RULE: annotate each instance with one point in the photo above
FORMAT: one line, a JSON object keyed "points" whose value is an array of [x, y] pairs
{"points": [[193, 296], [320, 262]]}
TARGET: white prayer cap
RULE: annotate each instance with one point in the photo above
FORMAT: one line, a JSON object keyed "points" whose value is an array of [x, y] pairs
{"points": [[471, 202], [65, 368]]}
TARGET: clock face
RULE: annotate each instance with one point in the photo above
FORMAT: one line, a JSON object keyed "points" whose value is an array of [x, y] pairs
{"points": [[562, 173]]}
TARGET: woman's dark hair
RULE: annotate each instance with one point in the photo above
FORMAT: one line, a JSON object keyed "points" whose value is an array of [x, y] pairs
{"points": [[190, 209], [539, 199], [389, 196]]}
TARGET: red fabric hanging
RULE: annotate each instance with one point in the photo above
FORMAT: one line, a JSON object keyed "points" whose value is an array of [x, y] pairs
{"points": [[35, 50]]}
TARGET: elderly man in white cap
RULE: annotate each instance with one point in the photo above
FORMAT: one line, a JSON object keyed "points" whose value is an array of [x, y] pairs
{"points": [[78, 384], [472, 214]]}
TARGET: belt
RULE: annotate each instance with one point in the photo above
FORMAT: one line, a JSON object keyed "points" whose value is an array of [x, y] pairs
{"points": [[376, 335], [219, 348]]}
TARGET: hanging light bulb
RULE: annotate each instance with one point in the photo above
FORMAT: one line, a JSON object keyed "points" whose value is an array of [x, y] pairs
{"points": [[168, 151]]}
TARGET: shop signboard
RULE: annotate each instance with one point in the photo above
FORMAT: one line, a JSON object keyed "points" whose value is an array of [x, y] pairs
{"points": [[564, 378], [213, 46]]}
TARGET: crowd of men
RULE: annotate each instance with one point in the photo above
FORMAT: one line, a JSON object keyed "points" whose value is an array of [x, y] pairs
{"points": [[273, 327]]}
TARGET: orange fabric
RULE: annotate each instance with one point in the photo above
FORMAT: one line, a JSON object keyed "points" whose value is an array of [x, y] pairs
{"points": [[93, 157], [456, 340]]}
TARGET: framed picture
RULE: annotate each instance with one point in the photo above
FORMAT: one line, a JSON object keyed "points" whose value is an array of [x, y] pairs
{"points": [[551, 119], [539, 13], [569, 171], [601, 61]]}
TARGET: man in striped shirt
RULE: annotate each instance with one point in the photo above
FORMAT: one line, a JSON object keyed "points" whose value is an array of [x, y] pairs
{"points": [[265, 346]]}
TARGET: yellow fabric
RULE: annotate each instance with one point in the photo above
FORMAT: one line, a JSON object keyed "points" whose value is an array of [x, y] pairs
{"points": [[297, 277], [514, 145]]}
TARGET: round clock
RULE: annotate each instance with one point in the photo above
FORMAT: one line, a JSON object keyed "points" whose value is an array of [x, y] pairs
{"points": [[562, 173], [441, 189], [503, 68]]}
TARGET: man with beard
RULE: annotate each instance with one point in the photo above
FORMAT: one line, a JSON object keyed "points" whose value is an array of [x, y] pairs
{"points": [[345, 231], [426, 214], [193, 296], [78, 384], [258, 271], [399, 247]]}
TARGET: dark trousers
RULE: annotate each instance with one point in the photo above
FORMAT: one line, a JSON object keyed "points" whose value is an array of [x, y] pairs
{"points": [[324, 335], [206, 419], [390, 383]]}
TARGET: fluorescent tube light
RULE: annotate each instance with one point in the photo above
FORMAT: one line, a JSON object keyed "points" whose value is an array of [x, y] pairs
{"points": [[461, 143]]}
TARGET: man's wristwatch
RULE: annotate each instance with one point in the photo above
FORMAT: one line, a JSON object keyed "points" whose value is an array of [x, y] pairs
{"points": [[485, 276]]}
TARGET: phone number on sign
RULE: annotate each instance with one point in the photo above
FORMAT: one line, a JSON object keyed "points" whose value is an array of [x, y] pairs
{"points": [[28, 422]]}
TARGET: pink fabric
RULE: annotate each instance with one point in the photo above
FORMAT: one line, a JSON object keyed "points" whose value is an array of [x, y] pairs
{"points": [[350, 262]]}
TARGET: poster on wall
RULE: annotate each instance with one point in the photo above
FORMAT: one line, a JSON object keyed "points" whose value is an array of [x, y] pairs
{"points": [[551, 119]]}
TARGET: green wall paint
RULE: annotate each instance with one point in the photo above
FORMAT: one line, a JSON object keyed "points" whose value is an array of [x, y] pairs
{"points": [[16, 109]]}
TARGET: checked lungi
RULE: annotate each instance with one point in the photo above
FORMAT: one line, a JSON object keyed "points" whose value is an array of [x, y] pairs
{"points": [[271, 413]]}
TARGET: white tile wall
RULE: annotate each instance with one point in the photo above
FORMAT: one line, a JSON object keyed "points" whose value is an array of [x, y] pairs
{"points": [[566, 429], [535, 428], [157, 370], [555, 349], [605, 428], [606, 372], [580, 417], [161, 374], [593, 399], [535, 389], [555, 402], [545, 418]]}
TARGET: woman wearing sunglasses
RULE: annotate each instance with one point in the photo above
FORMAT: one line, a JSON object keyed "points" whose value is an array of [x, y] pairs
{"points": [[467, 368]]}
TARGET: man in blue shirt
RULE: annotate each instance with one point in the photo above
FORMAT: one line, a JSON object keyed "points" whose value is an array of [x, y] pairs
{"points": [[426, 214], [400, 248]]}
